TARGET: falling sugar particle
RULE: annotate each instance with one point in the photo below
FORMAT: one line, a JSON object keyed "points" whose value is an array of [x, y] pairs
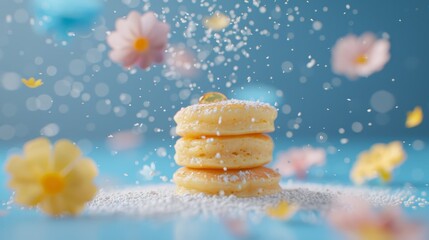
{"points": [[311, 63], [317, 25]]}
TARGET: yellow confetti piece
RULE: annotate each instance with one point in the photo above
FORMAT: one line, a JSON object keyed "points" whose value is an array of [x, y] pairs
{"points": [[32, 83], [216, 22], [212, 97], [282, 211], [414, 118]]}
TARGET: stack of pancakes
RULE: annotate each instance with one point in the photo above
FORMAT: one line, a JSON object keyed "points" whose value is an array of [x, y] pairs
{"points": [[224, 149]]}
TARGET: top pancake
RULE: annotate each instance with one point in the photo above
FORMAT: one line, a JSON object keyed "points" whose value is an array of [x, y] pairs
{"points": [[225, 118]]}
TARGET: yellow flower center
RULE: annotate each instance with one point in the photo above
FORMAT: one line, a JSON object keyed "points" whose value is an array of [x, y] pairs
{"points": [[361, 59], [141, 44], [52, 183]]}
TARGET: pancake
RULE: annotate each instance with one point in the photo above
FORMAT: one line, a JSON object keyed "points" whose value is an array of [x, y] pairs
{"points": [[225, 118], [241, 183], [232, 152]]}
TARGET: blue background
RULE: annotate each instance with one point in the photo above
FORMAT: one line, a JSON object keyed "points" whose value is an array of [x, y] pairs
{"points": [[403, 21]]}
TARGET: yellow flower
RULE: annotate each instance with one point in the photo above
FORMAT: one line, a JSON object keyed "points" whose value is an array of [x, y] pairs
{"points": [[32, 83], [371, 232], [282, 211], [414, 118], [58, 180], [379, 161], [216, 22]]}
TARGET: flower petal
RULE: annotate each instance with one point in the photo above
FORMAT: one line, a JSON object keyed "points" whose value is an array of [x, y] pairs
{"points": [[367, 41], [379, 55], [158, 56], [14, 165], [159, 34], [39, 148], [124, 29], [344, 54], [29, 194], [414, 118], [144, 61], [126, 57], [82, 194], [57, 205], [133, 20], [117, 41], [25, 170], [83, 171], [148, 21], [120, 55], [65, 152]]}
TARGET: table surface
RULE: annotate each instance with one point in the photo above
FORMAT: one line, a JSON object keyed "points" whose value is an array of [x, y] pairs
{"points": [[121, 169]]}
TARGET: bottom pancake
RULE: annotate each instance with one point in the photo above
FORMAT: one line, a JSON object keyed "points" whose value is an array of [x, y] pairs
{"points": [[241, 183]]}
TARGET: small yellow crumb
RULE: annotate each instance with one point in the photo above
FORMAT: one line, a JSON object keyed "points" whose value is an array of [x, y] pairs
{"points": [[282, 211], [414, 118], [216, 22], [32, 83]]}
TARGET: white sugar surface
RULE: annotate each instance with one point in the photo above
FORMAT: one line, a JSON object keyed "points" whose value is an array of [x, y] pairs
{"points": [[209, 108], [161, 201]]}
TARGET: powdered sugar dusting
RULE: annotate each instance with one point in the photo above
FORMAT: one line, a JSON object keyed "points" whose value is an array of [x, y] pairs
{"points": [[242, 176], [247, 104], [161, 201]]}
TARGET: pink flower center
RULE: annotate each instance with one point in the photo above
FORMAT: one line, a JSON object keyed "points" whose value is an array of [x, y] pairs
{"points": [[361, 59], [141, 44], [52, 183]]}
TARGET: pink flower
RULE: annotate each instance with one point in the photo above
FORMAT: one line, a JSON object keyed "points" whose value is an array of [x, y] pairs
{"points": [[360, 56], [361, 221], [296, 161], [138, 40], [237, 227], [125, 140], [180, 61]]}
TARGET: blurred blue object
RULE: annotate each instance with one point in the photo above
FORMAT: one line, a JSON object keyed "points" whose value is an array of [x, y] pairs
{"points": [[60, 17]]}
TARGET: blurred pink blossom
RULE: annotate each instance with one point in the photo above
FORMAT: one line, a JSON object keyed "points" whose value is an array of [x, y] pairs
{"points": [[361, 56], [237, 227], [296, 161], [125, 140], [361, 221], [138, 40], [181, 61]]}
